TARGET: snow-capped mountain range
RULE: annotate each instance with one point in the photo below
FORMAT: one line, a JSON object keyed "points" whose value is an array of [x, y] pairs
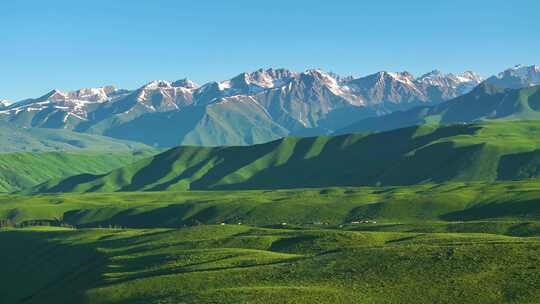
{"points": [[517, 77], [249, 108]]}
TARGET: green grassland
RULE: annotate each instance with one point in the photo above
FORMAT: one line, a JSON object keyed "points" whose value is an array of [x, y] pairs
{"points": [[23, 170], [243, 264], [420, 154], [444, 214], [473, 242], [454, 202]]}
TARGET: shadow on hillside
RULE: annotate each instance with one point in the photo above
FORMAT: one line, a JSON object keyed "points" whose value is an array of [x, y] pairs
{"points": [[353, 160], [47, 270], [519, 166], [70, 183], [166, 217], [529, 209]]}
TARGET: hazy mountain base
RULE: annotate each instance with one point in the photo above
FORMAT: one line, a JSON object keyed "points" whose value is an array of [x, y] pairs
{"points": [[17, 139]]}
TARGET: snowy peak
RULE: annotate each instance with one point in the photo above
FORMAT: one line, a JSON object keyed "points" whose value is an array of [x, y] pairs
{"points": [[101, 94], [156, 84], [437, 78], [185, 83], [431, 76], [472, 76], [516, 77], [245, 84], [162, 95], [260, 79], [528, 73], [322, 76], [383, 78], [69, 107], [269, 78], [54, 95], [4, 103], [87, 94], [316, 78], [404, 77]]}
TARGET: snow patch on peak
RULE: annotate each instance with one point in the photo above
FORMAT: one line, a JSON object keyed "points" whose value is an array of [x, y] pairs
{"points": [[471, 76], [432, 74], [224, 85], [155, 84], [403, 77], [518, 76], [54, 95], [92, 94], [261, 79], [437, 78], [185, 83], [322, 75], [521, 71], [327, 80]]}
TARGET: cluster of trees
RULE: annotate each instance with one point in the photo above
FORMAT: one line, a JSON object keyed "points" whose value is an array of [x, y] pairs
{"points": [[6, 223]]}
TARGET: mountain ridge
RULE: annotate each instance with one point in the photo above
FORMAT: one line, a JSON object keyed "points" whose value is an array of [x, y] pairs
{"points": [[252, 107], [277, 102], [486, 102]]}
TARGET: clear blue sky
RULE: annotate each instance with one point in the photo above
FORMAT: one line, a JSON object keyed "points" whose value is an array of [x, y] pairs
{"points": [[71, 44]]}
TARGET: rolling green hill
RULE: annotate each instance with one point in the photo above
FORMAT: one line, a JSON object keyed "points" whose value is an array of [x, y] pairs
{"points": [[419, 154], [26, 169], [431, 243], [485, 103], [243, 264]]}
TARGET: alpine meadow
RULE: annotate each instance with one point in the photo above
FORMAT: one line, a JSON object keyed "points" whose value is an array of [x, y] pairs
{"points": [[276, 152]]}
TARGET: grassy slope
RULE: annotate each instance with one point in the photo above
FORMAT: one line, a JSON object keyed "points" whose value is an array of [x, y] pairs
{"points": [[448, 202], [25, 169], [242, 264], [401, 157]]}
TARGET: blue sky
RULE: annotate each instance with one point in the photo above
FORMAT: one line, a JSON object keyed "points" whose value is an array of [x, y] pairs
{"points": [[72, 44]]}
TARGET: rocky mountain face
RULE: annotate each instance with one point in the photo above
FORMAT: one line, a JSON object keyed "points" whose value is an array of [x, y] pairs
{"points": [[249, 108], [486, 102], [517, 77]]}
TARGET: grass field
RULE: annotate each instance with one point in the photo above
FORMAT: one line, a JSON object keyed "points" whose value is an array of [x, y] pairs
{"points": [[243, 264], [429, 243], [452, 202]]}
